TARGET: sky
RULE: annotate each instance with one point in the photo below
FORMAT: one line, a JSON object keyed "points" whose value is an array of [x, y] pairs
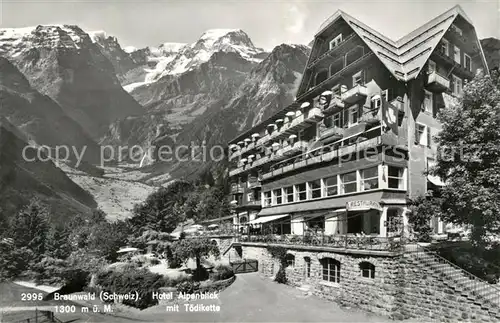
{"points": [[267, 22]]}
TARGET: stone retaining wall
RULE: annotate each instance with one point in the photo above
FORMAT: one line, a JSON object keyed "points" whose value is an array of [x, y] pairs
{"points": [[398, 290]]}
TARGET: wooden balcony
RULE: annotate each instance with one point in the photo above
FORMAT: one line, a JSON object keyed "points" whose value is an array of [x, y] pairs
{"points": [[370, 117], [437, 83], [355, 94], [335, 104], [332, 134], [236, 188]]}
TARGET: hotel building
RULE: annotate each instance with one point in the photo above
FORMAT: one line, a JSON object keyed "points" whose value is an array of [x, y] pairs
{"points": [[348, 153]]}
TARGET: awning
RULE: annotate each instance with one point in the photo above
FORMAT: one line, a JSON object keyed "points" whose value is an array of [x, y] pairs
{"points": [[266, 219], [435, 180]]}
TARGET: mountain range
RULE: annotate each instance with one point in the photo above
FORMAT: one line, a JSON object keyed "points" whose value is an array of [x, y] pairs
{"points": [[61, 85]]}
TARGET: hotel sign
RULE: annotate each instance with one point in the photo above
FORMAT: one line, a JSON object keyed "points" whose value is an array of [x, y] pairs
{"points": [[362, 205]]}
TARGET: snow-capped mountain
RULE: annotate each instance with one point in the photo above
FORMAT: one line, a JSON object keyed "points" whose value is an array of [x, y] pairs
{"points": [[175, 58], [73, 68], [212, 102]]}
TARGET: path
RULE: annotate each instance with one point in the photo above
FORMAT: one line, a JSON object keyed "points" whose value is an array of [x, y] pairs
{"points": [[252, 298]]}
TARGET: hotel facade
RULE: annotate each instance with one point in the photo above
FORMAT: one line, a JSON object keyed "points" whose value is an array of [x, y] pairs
{"points": [[348, 153]]}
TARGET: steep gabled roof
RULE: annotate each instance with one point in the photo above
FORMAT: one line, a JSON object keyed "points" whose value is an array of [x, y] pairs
{"points": [[406, 57]]}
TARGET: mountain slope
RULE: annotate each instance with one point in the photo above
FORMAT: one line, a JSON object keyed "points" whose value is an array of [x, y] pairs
{"points": [[40, 118], [177, 100], [267, 88], [22, 179], [64, 63]]}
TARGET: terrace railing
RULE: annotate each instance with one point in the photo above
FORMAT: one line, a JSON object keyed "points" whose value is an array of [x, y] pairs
{"points": [[333, 241]]}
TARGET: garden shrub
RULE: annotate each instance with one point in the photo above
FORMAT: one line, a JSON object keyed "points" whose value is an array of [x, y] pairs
{"points": [[188, 287], [174, 281], [222, 272], [141, 280]]}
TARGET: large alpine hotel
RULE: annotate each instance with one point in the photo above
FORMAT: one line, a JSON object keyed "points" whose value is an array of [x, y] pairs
{"points": [[345, 156]]}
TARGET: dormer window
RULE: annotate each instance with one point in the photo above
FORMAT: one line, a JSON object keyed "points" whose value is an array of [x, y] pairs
{"points": [[335, 42], [445, 47], [431, 67], [457, 30]]}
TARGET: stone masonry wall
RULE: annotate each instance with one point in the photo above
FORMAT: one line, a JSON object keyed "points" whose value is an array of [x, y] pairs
{"points": [[400, 289], [371, 294]]}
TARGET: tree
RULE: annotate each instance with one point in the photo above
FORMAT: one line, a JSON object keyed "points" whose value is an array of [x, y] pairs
{"points": [[197, 248], [29, 228], [469, 158], [57, 243], [422, 209], [160, 211]]}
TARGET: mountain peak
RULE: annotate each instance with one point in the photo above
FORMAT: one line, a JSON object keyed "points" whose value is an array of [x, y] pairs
{"points": [[218, 37]]}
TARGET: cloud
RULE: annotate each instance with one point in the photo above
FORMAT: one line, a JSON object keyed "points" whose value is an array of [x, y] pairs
{"points": [[295, 19]]}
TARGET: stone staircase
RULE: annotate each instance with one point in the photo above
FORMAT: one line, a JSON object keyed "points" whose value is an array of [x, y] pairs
{"points": [[471, 293]]}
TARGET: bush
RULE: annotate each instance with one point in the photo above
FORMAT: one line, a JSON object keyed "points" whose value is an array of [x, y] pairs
{"points": [[141, 280], [174, 281], [222, 272], [188, 287]]}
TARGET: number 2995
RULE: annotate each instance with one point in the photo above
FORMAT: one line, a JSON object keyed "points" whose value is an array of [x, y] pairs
{"points": [[31, 297]]}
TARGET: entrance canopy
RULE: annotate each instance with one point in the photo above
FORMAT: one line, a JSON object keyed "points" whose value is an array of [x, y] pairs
{"points": [[435, 180], [266, 219]]}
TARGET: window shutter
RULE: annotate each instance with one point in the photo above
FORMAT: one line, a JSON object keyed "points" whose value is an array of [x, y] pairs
{"points": [[429, 136], [416, 134]]}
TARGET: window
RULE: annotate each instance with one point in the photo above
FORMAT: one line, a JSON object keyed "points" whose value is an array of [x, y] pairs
{"points": [[431, 67], [315, 189], [267, 198], [289, 194], [445, 47], [301, 192], [321, 76], [349, 182], [367, 269], [278, 199], [420, 134], [369, 178], [428, 102], [353, 115], [456, 85], [376, 102], [457, 30], [331, 186], [336, 90], [467, 63], [331, 270], [456, 54], [336, 120], [336, 41], [290, 260], [395, 177], [357, 79]]}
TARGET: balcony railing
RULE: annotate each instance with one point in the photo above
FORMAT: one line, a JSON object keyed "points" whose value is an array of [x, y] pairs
{"points": [[332, 134], [320, 87], [370, 117], [249, 166], [253, 183], [335, 104], [253, 203], [291, 149], [437, 82], [355, 94], [236, 188], [333, 241], [326, 153], [343, 44]]}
